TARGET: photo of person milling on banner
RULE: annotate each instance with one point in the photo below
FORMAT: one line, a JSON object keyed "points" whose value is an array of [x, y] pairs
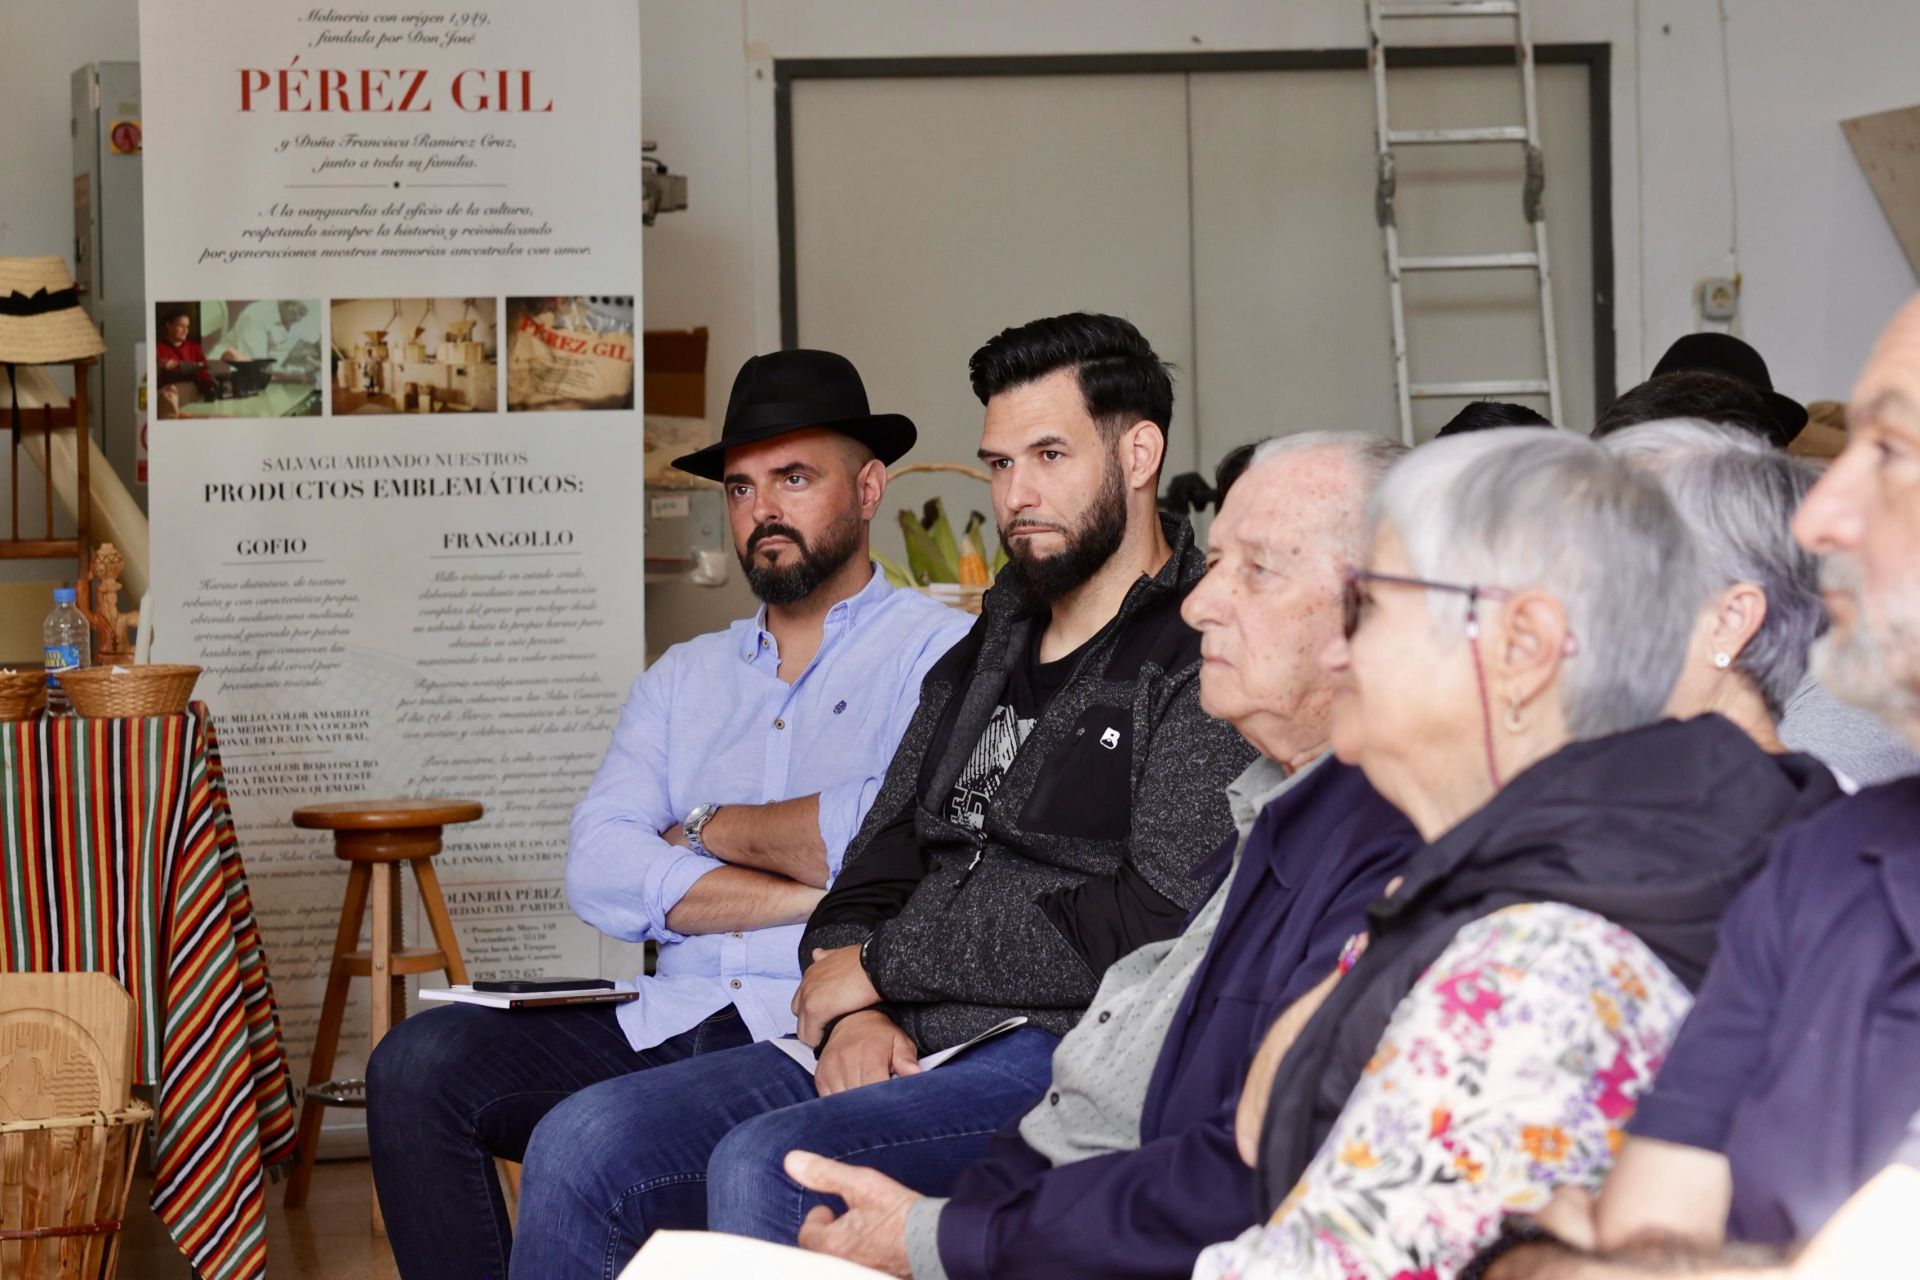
{"points": [[1512, 644], [1126, 1167], [1058, 787], [266, 359], [742, 765], [181, 361]]}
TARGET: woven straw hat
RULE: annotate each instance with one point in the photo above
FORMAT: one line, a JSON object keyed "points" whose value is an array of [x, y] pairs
{"points": [[41, 321]]}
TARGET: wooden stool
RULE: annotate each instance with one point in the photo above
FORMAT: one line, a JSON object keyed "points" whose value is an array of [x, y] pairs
{"points": [[376, 837]]}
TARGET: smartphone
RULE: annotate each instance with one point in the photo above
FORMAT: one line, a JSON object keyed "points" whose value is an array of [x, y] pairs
{"points": [[534, 986]]}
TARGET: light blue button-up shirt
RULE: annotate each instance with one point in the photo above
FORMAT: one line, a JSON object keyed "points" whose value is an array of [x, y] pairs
{"points": [[713, 722]]}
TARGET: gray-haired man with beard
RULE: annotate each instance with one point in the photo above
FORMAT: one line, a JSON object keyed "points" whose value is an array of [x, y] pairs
{"points": [[1057, 787], [743, 764]]}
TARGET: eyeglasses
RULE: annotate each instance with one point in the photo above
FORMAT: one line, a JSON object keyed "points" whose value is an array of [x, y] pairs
{"points": [[1353, 597], [1353, 601]]}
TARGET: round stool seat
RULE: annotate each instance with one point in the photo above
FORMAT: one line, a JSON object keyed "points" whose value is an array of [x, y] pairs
{"points": [[386, 815]]}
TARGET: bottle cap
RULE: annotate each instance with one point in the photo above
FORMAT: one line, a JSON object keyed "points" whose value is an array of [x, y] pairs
{"points": [[63, 595]]}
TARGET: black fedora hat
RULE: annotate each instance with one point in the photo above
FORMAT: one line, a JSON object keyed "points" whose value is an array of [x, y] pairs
{"points": [[1724, 353], [792, 391]]}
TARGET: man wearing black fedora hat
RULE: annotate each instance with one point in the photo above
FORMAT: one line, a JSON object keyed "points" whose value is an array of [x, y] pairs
{"points": [[1714, 377], [743, 764], [1056, 789]]}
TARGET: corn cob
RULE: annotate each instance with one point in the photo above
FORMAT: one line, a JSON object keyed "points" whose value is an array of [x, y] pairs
{"points": [[973, 554], [923, 558], [933, 518], [895, 574]]}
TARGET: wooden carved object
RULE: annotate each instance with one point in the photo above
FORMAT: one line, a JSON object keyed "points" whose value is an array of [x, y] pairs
{"points": [[109, 624], [66, 1045]]}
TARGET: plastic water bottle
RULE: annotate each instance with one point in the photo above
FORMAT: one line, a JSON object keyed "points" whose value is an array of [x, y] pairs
{"points": [[68, 645]]}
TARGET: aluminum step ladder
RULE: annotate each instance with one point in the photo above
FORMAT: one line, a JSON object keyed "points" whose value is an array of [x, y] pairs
{"points": [[1379, 13]]}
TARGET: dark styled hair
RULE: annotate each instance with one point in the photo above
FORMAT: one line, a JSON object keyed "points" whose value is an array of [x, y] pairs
{"points": [[1231, 468], [1690, 393], [176, 311], [1485, 415], [1121, 379]]}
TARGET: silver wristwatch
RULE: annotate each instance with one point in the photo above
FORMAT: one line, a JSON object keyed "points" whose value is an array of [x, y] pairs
{"points": [[696, 823]]}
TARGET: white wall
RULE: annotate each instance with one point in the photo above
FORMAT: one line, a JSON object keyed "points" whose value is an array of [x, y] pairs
{"points": [[776, 29], [1745, 170], [43, 45], [1823, 269]]}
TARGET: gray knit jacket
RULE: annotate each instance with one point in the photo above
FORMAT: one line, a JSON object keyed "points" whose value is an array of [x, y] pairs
{"points": [[1089, 843]]}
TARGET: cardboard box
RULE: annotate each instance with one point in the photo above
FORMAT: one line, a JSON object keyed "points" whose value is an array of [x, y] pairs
{"points": [[674, 372]]}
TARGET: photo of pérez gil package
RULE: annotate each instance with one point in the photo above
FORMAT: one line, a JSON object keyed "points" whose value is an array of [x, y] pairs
{"points": [[570, 353]]}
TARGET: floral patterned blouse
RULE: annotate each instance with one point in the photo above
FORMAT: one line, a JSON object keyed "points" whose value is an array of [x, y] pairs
{"points": [[1510, 1068]]}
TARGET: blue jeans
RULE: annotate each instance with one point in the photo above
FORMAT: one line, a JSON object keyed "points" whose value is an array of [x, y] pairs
{"points": [[699, 1143], [452, 1087]]}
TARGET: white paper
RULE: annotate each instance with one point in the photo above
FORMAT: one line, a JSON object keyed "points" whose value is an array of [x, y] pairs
{"points": [[464, 994], [684, 1255], [810, 1062]]}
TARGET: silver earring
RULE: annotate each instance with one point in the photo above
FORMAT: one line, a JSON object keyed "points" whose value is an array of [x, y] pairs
{"points": [[1515, 719], [1722, 660]]}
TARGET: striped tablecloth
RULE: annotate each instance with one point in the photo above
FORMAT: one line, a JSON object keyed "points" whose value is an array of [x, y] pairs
{"points": [[120, 857]]}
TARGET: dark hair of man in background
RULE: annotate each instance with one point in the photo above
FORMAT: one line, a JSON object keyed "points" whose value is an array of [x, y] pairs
{"points": [[1691, 393], [1231, 468], [1121, 379], [1485, 415]]}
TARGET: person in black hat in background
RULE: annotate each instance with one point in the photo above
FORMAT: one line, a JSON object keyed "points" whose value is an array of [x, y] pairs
{"points": [[1714, 377], [743, 764]]}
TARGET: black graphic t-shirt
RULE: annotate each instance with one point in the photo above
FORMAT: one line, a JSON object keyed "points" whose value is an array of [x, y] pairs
{"points": [[1030, 687]]}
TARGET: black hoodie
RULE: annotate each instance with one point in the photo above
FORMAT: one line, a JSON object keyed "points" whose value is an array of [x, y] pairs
{"points": [[1654, 829]]}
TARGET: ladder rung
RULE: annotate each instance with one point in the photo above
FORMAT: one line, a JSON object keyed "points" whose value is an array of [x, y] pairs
{"points": [[1452, 9], [1493, 133], [1470, 262], [1441, 390]]}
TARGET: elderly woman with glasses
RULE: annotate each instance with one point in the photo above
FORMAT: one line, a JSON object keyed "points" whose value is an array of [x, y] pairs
{"points": [[1511, 646], [1747, 659]]}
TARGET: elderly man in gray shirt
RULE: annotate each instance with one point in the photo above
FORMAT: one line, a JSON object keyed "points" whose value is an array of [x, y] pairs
{"points": [[1127, 1165]]}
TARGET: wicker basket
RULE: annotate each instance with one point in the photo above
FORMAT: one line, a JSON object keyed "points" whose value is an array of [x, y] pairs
{"points": [[948, 593], [955, 595], [21, 694], [63, 1193], [144, 689]]}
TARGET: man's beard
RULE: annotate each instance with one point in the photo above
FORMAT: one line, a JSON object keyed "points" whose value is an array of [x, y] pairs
{"points": [[1037, 581], [1873, 661], [790, 584]]}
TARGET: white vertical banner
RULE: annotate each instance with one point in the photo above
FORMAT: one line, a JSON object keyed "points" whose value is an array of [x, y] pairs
{"points": [[394, 257]]}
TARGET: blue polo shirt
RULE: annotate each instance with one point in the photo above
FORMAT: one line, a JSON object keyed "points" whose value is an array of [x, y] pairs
{"points": [[713, 722], [1800, 1061]]}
